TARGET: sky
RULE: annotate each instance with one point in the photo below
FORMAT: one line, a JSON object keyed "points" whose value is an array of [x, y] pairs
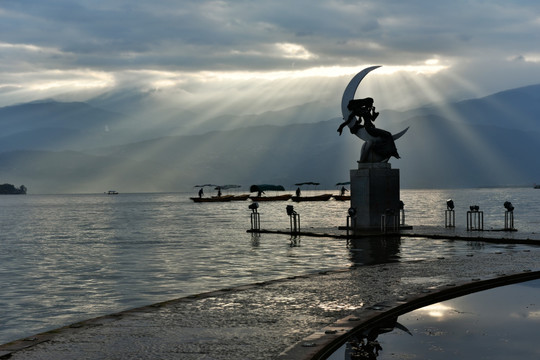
{"points": [[253, 56]]}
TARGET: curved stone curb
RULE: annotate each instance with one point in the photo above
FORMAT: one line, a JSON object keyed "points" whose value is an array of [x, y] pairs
{"points": [[324, 342]]}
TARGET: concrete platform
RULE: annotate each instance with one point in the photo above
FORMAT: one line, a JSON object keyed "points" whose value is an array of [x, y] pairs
{"points": [[292, 318]]}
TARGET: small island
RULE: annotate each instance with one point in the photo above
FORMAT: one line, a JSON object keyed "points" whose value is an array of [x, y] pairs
{"points": [[9, 189]]}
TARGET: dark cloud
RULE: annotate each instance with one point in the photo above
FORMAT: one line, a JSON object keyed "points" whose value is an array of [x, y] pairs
{"points": [[180, 40]]}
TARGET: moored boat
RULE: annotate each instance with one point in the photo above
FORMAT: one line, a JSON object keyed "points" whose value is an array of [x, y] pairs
{"points": [[212, 199], [322, 197], [343, 190], [283, 197], [240, 197], [260, 190]]}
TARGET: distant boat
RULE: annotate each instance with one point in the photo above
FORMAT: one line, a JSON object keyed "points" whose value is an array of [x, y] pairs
{"points": [[260, 189], [225, 198], [342, 197], [240, 197], [536, 186], [299, 197], [322, 197], [284, 197], [112, 192]]}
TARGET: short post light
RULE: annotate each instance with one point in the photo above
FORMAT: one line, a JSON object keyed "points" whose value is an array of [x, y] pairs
{"points": [[402, 212], [509, 216], [351, 219], [389, 219], [449, 214], [475, 218], [255, 216], [294, 219]]}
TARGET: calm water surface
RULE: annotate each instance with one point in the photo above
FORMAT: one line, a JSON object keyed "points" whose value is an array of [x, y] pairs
{"points": [[500, 323], [66, 258]]}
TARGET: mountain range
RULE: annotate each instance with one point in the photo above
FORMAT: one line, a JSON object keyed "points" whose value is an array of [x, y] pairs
{"points": [[78, 147]]}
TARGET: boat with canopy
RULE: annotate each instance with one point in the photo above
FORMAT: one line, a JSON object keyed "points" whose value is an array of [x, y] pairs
{"points": [[299, 198], [261, 195]]}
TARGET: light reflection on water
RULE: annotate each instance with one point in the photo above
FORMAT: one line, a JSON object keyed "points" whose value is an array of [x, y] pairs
{"points": [[66, 258], [500, 323]]}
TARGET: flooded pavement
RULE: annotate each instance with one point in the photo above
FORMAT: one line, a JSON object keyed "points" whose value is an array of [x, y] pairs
{"points": [[283, 319]]}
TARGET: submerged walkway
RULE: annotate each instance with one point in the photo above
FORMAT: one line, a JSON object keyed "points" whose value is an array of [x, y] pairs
{"points": [[429, 232], [291, 318]]}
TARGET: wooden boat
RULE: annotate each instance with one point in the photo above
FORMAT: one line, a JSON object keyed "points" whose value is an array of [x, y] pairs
{"points": [[240, 197], [260, 189], [212, 199], [323, 197], [284, 197], [342, 197]]}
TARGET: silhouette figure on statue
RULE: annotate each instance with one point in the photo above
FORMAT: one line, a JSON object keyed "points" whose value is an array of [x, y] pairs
{"points": [[363, 114], [360, 108]]}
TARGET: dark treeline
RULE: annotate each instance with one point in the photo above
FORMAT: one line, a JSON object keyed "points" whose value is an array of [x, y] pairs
{"points": [[11, 189]]}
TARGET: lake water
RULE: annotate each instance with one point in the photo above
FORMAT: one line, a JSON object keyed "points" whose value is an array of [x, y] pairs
{"points": [[65, 258]]}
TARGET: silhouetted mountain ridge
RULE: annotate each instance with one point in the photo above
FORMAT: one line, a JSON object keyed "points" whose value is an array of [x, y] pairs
{"points": [[441, 149]]}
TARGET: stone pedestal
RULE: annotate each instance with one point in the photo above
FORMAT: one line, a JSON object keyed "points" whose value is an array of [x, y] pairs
{"points": [[374, 190]]}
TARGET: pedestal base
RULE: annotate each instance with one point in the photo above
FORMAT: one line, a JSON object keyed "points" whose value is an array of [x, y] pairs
{"points": [[374, 193]]}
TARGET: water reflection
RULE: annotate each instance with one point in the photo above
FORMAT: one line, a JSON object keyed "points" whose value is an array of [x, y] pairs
{"points": [[500, 323], [295, 241], [376, 250], [366, 346]]}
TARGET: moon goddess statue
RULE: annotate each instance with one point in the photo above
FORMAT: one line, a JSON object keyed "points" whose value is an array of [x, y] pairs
{"points": [[379, 144]]}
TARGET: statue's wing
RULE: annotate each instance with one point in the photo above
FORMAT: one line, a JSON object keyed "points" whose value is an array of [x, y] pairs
{"points": [[348, 95]]}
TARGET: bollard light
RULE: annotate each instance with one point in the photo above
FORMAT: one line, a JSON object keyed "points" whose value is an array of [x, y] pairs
{"points": [[450, 204], [254, 206], [508, 206], [290, 210], [474, 207]]}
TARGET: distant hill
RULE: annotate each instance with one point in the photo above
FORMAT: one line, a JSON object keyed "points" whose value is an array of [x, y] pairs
{"points": [[9, 189], [435, 154], [513, 109], [51, 125], [451, 145]]}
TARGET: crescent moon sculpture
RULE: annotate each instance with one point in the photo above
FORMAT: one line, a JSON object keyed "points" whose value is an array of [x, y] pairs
{"points": [[368, 153]]}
